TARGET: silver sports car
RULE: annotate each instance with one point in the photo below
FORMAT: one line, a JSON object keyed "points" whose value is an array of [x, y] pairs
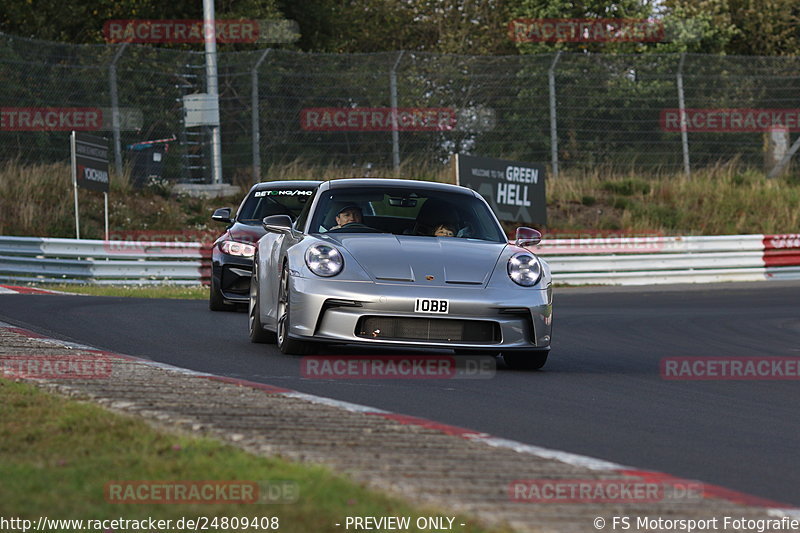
{"points": [[387, 262]]}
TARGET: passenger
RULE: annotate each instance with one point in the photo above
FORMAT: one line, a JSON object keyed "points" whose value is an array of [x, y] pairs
{"points": [[444, 230], [434, 212]]}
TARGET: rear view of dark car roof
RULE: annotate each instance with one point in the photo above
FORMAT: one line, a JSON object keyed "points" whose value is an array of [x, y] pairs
{"points": [[286, 184]]}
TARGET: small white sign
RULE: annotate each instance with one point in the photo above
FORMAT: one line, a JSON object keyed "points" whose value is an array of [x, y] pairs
{"points": [[200, 110]]}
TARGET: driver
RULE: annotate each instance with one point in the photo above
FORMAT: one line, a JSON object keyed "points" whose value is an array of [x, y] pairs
{"points": [[348, 214]]}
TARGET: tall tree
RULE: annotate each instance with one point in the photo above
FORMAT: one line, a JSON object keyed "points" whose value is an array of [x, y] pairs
{"points": [[448, 26], [744, 27], [79, 21], [583, 9]]}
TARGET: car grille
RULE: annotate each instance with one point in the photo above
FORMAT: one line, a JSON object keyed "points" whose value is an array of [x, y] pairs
{"points": [[428, 329]]}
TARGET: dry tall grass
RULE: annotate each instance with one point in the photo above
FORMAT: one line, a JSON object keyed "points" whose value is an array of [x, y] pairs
{"points": [[719, 200], [37, 200], [34, 198], [725, 199]]}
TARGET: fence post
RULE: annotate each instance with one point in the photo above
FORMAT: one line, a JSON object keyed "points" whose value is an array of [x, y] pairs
{"points": [[551, 77], [682, 110], [785, 161], [393, 103], [256, 135], [115, 125], [212, 87]]}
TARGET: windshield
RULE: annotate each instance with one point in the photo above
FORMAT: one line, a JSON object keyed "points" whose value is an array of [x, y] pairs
{"points": [[264, 203], [402, 211]]}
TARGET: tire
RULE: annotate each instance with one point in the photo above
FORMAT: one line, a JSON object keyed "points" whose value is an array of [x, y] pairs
{"points": [[215, 300], [525, 360], [254, 325], [285, 344]]}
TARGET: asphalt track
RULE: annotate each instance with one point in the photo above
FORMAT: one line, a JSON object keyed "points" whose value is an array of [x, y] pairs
{"points": [[601, 394]]}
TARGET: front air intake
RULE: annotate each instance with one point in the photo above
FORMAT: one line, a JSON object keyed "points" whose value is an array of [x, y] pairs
{"points": [[428, 329]]}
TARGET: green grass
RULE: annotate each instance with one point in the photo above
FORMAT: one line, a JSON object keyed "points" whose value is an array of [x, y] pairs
{"points": [[192, 292], [57, 455]]}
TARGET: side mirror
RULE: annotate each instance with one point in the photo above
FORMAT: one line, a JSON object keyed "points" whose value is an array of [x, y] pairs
{"points": [[222, 214], [527, 237], [278, 223]]}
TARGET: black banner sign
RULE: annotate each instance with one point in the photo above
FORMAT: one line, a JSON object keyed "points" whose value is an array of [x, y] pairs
{"points": [[91, 162], [516, 191]]}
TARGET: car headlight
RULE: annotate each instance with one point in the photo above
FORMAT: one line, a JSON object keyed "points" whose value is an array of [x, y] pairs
{"points": [[237, 248], [524, 269], [324, 260]]}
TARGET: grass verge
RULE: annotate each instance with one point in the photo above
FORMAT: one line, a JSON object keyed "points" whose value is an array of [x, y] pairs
{"points": [[57, 455], [190, 292]]}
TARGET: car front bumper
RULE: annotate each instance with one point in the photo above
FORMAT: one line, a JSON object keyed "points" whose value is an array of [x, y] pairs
{"points": [[232, 275], [501, 319]]}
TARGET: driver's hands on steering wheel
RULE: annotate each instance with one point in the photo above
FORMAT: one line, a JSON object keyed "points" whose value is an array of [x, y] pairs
{"points": [[349, 225], [349, 218]]}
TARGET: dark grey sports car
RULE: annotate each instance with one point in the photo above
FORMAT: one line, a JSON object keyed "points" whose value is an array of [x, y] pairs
{"points": [[387, 262], [232, 253]]}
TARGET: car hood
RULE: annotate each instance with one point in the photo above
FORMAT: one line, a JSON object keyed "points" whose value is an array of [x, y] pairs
{"points": [[435, 261]]}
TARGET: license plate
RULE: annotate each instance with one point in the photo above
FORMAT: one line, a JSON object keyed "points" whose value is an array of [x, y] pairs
{"points": [[430, 305]]}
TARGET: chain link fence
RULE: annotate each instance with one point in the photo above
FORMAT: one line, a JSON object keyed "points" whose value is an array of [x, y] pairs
{"points": [[401, 112]]}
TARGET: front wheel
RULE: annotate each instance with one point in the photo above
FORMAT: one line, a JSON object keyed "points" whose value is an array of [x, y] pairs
{"points": [[254, 325], [285, 344], [525, 360]]}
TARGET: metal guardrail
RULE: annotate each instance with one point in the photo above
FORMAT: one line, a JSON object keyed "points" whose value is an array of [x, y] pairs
{"points": [[657, 259], [35, 259], [609, 261]]}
